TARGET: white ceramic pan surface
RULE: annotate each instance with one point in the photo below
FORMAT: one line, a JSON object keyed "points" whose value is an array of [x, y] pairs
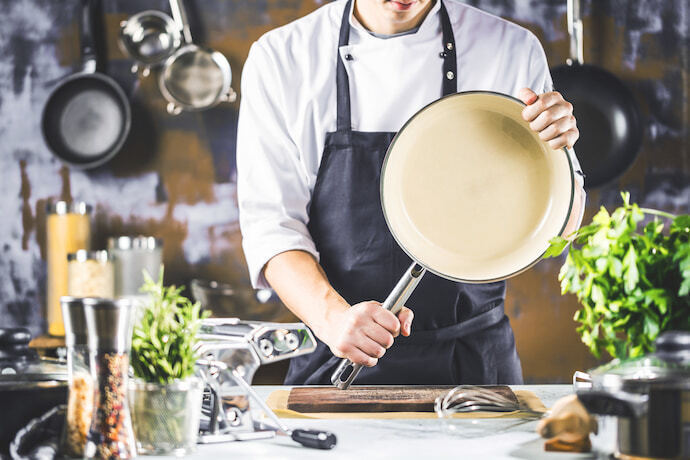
{"points": [[470, 191]]}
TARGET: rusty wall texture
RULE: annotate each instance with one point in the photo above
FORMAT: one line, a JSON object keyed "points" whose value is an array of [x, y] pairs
{"points": [[175, 177]]}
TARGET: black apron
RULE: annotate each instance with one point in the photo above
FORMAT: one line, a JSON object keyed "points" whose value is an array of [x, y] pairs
{"points": [[460, 334]]}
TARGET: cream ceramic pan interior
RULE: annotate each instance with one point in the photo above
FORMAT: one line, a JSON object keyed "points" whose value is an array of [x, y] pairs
{"points": [[470, 192]]}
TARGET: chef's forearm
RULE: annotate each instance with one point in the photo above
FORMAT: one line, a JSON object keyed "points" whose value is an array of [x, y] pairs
{"points": [[577, 212], [301, 284]]}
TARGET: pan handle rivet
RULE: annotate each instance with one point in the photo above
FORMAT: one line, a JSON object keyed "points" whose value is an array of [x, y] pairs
{"points": [[449, 46], [450, 75], [442, 54]]}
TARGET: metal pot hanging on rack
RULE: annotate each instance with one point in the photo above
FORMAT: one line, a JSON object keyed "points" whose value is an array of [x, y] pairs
{"points": [[194, 78], [149, 37]]}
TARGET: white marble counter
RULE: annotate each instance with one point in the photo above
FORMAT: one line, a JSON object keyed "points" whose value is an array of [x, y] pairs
{"points": [[367, 439]]}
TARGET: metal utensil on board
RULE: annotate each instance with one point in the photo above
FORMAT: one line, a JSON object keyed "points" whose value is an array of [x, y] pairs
{"points": [[607, 114], [470, 157], [470, 398], [87, 117], [149, 37], [309, 438], [194, 78]]}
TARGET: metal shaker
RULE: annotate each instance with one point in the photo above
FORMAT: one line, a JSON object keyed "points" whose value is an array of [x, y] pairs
{"points": [[109, 325]]}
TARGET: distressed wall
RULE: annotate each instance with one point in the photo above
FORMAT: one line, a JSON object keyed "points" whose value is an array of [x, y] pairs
{"points": [[175, 177]]}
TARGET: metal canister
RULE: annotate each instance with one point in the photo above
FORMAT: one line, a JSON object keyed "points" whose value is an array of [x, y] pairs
{"points": [[132, 256], [68, 229], [90, 274]]}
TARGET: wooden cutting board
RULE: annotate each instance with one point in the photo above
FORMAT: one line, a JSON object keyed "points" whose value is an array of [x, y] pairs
{"points": [[374, 398]]}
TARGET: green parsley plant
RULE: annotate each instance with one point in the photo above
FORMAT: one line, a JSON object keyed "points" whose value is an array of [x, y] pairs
{"points": [[632, 284]]}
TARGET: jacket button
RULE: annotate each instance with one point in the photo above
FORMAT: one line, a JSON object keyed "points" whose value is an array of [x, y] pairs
{"points": [[449, 46], [348, 57], [450, 75]]}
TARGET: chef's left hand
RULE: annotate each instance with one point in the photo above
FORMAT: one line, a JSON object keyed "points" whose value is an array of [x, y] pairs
{"points": [[551, 116]]}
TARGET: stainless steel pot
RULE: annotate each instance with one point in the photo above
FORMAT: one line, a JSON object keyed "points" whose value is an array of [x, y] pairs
{"points": [[29, 385], [149, 37], [650, 396], [194, 78]]}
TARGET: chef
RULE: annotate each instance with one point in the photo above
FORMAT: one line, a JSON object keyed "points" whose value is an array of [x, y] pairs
{"points": [[322, 97]]}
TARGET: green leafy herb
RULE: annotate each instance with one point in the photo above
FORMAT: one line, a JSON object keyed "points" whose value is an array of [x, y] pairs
{"points": [[632, 283], [163, 342]]}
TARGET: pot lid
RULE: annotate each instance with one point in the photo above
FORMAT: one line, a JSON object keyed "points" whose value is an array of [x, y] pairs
{"points": [[19, 364], [667, 367]]}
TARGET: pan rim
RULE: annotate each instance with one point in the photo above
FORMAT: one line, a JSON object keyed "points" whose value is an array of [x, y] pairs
{"points": [[127, 116], [387, 218]]}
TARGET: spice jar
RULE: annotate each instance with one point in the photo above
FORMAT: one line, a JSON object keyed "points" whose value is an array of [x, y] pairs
{"points": [[81, 389], [67, 230], [132, 255], [90, 274], [109, 327]]}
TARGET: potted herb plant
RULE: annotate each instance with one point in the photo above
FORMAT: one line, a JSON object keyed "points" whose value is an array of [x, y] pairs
{"points": [[165, 396], [632, 281]]}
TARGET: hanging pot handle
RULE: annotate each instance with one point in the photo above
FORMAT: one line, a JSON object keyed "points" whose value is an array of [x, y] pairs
{"points": [[575, 32], [341, 378], [179, 15], [173, 109], [86, 38]]}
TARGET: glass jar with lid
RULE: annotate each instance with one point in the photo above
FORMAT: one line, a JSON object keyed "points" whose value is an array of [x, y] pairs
{"points": [[68, 229], [132, 255], [90, 274]]}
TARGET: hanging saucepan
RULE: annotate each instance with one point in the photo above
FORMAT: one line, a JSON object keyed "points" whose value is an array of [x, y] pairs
{"points": [[649, 396], [471, 194], [194, 78], [149, 37], [606, 111], [87, 117]]}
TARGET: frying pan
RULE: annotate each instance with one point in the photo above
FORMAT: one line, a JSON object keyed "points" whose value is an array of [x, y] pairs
{"points": [[87, 116], [471, 194], [606, 111], [194, 78]]}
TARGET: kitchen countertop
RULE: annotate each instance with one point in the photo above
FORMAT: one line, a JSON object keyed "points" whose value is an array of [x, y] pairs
{"points": [[412, 438]]}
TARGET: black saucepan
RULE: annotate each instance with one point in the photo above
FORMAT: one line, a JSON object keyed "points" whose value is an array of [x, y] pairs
{"points": [[87, 117], [607, 115]]}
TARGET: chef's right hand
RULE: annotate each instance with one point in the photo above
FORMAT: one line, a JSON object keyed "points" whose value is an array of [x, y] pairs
{"points": [[363, 332]]}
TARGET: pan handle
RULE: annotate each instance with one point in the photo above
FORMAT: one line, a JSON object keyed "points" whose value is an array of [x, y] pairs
{"points": [[87, 43], [575, 32], [341, 378], [179, 15]]}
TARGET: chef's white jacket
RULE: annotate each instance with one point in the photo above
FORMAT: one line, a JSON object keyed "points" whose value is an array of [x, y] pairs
{"points": [[289, 103]]}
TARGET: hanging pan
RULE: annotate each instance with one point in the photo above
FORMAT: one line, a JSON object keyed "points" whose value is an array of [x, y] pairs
{"points": [[471, 194], [87, 117], [194, 78], [149, 37], [607, 115]]}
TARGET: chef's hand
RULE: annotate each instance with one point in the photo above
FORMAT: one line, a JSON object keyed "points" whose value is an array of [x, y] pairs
{"points": [[551, 116], [364, 331]]}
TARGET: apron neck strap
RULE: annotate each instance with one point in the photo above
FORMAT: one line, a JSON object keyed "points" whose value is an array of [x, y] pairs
{"points": [[450, 79]]}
